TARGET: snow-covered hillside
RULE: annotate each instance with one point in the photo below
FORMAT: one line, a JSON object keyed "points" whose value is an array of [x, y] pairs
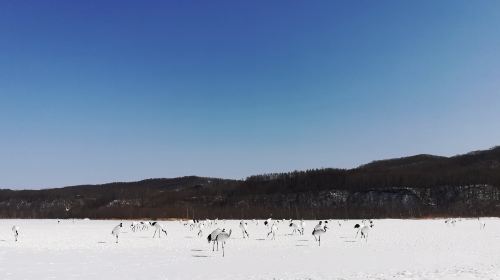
{"points": [[396, 249]]}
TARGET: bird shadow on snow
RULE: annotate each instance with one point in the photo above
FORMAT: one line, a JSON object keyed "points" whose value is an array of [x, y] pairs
{"points": [[200, 256], [303, 240], [301, 245], [101, 242], [196, 250], [260, 239]]}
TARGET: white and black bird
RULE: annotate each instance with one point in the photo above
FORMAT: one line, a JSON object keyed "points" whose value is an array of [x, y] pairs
{"points": [[317, 232], [212, 238], [133, 226], [295, 227], [482, 224], [274, 230], [201, 227], [363, 230], [268, 223], [116, 231], [450, 222], [302, 226], [15, 231], [158, 228], [143, 225], [190, 224], [243, 227], [222, 237], [319, 225]]}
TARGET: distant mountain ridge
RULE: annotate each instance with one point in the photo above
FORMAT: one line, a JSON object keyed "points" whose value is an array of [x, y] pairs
{"points": [[415, 186], [480, 155]]}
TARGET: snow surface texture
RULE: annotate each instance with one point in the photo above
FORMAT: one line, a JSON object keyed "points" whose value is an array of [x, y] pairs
{"points": [[396, 249]]}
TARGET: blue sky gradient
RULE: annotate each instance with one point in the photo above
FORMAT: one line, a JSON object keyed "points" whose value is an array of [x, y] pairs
{"points": [[101, 91]]}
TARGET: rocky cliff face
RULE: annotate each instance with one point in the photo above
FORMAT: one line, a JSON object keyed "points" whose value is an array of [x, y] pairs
{"points": [[396, 202]]}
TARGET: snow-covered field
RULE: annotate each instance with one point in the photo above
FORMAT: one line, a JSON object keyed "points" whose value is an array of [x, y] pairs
{"points": [[396, 249]]}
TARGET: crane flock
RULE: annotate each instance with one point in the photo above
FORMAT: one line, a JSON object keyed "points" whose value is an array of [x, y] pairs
{"points": [[219, 234]]}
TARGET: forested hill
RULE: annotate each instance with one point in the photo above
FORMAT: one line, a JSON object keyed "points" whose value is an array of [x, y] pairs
{"points": [[416, 186]]}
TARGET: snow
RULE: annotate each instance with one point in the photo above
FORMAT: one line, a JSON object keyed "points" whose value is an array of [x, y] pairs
{"points": [[396, 249]]}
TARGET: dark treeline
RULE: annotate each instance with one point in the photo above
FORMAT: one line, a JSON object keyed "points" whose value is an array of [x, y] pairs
{"points": [[417, 186]]}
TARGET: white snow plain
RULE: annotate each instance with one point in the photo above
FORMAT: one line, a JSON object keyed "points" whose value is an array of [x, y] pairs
{"points": [[396, 249]]}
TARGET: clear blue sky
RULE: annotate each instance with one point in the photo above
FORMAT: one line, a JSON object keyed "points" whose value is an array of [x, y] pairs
{"points": [[101, 91]]}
